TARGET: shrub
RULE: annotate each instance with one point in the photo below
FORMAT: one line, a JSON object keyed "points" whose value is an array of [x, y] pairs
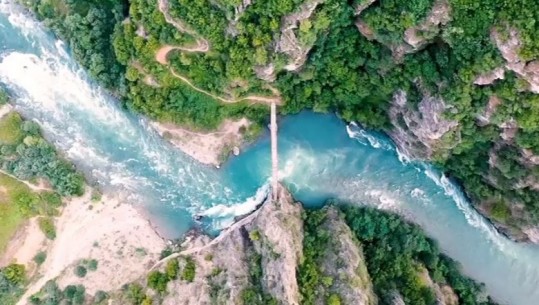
{"points": [[100, 296], [135, 294], [172, 269], [189, 270], [254, 235], [334, 300], [40, 258], [158, 281], [92, 265], [46, 224], [81, 271], [15, 274]]}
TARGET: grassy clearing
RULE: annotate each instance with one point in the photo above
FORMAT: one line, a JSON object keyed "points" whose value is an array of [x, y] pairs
{"points": [[11, 218], [10, 129]]}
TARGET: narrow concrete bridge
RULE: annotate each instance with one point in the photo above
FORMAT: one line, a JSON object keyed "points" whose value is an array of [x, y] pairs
{"points": [[274, 154]]}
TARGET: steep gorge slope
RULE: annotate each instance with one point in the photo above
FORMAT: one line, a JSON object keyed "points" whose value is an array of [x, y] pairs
{"points": [[283, 254], [451, 81]]}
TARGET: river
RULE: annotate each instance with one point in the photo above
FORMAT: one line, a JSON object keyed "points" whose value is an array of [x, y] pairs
{"points": [[320, 158]]}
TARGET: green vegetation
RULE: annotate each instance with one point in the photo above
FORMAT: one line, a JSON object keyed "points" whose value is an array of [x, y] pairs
{"points": [[100, 297], [172, 269], [310, 277], [50, 294], [345, 72], [92, 265], [189, 270], [394, 250], [4, 98], [158, 281], [46, 224], [254, 294], [40, 258], [85, 265], [80, 271], [12, 281], [135, 295], [26, 155], [10, 215], [18, 202], [87, 26]]}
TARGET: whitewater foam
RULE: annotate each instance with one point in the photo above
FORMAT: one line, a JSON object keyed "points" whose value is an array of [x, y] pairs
{"points": [[228, 211]]}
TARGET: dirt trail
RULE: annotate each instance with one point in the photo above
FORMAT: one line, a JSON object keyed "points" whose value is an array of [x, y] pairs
{"points": [[36, 188], [201, 46], [224, 234]]}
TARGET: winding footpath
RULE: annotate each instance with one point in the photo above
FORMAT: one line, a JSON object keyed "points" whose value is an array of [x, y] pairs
{"points": [[201, 46]]}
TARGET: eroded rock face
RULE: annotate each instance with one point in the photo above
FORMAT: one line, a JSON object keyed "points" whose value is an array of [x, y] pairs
{"points": [[228, 272], [344, 262], [280, 243], [289, 43], [363, 6], [490, 77], [419, 133], [509, 46], [533, 234], [444, 293], [529, 157], [419, 35], [415, 37], [274, 232], [485, 117], [238, 12]]}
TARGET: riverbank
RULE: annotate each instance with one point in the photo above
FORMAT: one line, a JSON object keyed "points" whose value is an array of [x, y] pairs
{"points": [[210, 148], [110, 231]]}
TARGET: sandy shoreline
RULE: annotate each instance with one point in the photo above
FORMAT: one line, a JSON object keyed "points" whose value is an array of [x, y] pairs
{"points": [[210, 148]]}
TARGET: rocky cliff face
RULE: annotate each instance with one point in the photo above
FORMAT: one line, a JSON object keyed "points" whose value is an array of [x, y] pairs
{"points": [[261, 253], [420, 132], [343, 261]]}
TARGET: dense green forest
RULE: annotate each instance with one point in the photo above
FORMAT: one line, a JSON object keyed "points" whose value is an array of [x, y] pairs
{"points": [[395, 253], [353, 74]]}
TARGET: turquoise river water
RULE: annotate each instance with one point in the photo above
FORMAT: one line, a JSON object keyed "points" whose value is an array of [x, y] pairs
{"points": [[320, 158]]}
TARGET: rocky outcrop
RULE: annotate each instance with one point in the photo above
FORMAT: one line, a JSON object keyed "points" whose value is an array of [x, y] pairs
{"points": [[419, 35], [485, 117], [221, 273], [344, 262], [290, 42], [420, 132], [509, 45], [444, 293], [490, 77], [238, 12], [274, 233], [414, 38], [280, 244], [263, 252]]}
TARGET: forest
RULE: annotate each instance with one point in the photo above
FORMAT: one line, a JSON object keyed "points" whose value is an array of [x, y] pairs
{"points": [[353, 74]]}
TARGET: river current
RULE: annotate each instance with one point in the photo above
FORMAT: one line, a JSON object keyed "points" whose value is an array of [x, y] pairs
{"points": [[320, 158]]}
